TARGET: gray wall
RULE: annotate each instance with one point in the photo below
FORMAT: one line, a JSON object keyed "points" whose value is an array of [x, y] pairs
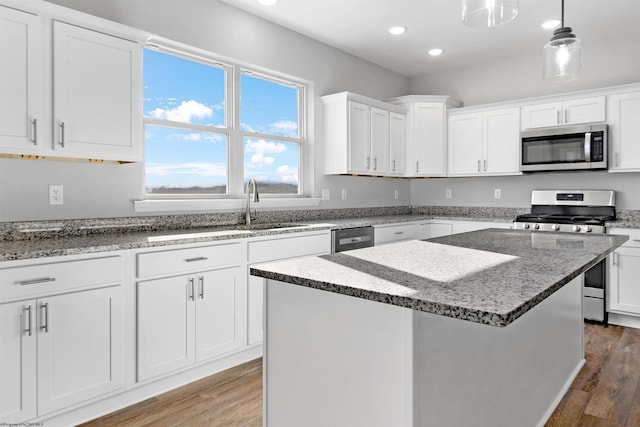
{"points": [[96, 191]]}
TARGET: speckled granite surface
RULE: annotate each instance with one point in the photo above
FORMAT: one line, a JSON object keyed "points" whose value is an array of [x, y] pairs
{"points": [[490, 276]]}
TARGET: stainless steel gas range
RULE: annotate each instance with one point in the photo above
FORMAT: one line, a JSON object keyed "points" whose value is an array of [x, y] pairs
{"points": [[575, 211]]}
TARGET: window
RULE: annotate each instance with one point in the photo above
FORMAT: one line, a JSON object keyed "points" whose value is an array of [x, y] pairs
{"points": [[196, 147]]}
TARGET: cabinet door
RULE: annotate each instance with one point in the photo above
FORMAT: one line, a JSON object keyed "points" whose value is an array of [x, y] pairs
{"points": [[440, 229], [427, 153], [394, 233], [397, 143], [379, 141], [502, 141], [465, 144], [542, 115], [219, 313], [165, 325], [624, 289], [97, 92], [359, 137], [624, 132], [20, 76], [80, 347], [587, 110], [255, 306], [17, 362]]}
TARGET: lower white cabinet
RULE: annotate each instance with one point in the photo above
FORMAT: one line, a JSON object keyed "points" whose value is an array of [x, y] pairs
{"points": [[60, 350], [187, 319], [390, 233], [624, 274]]}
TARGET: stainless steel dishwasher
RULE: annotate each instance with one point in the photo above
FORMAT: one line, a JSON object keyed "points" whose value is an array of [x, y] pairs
{"points": [[351, 238]]}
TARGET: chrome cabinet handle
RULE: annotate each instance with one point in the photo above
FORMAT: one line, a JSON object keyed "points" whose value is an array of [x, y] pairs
{"points": [[367, 162], [201, 283], [566, 116], [478, 165], [34, 131], [617, 159], [200, 258], [375, 163], [614, 258], [28, 310], [417, 167], [398, 233], [61, 142], [485, 165], [36, 281], [45, 324], [192, 291], [393, 165], [557, 117]]}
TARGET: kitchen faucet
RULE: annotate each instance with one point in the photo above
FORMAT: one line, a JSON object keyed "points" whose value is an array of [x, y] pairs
{"points": [[251, 184]]}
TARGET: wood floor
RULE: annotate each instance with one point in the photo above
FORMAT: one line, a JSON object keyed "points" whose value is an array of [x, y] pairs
{"points": [[605, 393]]}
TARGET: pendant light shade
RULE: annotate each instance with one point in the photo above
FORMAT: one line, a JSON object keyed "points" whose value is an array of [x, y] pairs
{"points": [[488, 13], [562, 54]]}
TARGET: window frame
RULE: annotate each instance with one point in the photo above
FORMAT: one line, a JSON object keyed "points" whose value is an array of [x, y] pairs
{"points": [[232, 126]]}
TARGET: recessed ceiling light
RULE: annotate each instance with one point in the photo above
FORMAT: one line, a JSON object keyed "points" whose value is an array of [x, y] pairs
{"points": [[550, 24], [267, 2], [435, 52], [397, 30]]}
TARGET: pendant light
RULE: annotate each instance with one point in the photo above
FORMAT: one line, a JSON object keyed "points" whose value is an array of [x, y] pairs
{"points": [[488, 13], [562, 54]]}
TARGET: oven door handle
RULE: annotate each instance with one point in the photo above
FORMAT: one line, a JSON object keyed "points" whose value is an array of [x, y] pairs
{"points": [[587, 146]]}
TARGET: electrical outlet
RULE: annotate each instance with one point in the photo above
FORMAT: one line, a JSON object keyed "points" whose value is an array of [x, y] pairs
{"points": [[326, 194], [447, 194], [344, 194], [395, 194], [497, 193], [56, 195]]}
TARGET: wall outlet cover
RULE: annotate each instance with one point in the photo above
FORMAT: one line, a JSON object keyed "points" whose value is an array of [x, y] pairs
{"points": [[56, 194], [326, 194], [497, 193], [448, 194], [344, 194]]}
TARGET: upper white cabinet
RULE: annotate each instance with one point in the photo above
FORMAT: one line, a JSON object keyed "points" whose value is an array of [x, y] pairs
{"points": [[426, 136], [68, 91], [570, 112], [484, 143], [21, 70], [97, 95], [624, 132], [360, 134], [397, 143]]}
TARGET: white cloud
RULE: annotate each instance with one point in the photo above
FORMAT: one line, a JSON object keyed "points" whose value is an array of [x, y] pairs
{"points": [[260, 159], [193, 137], [284, 127], [287, 174], [183, 113], [261, 146]]}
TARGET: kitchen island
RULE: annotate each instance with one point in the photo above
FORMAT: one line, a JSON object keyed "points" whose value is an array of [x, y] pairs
{"points": [[482, 328]]}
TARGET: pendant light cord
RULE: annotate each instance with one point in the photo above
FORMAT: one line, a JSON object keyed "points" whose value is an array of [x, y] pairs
{"points": [[562, 15]]}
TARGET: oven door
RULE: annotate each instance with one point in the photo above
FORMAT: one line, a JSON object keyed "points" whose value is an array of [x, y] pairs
{"points": [[594, 292]]}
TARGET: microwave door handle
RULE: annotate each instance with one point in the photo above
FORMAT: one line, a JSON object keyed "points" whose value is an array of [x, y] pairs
{"points": [[587, 146]]}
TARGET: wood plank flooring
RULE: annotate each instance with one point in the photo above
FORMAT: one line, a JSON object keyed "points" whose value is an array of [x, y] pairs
{"points": [[605, 393]]}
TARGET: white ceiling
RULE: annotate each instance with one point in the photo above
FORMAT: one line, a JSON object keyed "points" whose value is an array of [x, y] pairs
{"points": [[359, 27]]}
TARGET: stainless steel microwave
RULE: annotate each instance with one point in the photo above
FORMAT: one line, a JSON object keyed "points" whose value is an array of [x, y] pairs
{"points": [[564, 148]]}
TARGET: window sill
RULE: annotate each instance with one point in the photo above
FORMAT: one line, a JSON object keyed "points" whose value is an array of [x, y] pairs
{"points": [[181, 205]]}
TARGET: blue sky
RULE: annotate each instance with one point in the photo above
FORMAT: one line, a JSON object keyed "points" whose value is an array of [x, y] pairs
{"points": [[191, 92]]}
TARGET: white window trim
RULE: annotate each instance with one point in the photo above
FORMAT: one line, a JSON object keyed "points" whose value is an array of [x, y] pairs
{"points": [[235, 198]]}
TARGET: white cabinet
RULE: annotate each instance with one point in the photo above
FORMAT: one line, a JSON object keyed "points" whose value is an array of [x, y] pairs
{"points": [[426, 133], [397, 143], [275, 248], [390, 233], [360, 134], [68, 91], [484, 143], [187, 319], [64, 346], [97, 95], [194, 313], [21, 116], [624, 271], [623, 111], [570, 112], [439, 228]]}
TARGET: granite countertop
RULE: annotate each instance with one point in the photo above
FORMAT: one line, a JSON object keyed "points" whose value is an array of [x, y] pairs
{"points": [[490, 276]]}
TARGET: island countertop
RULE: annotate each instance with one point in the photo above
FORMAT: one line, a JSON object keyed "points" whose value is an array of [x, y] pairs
{"points": [[491, 276]]}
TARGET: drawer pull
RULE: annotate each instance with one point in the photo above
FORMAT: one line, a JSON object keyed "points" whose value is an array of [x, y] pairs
{"points": [[192, 291], [36, 281], [45, 318], [28, 310], [200, 258], [398, 233], [201, 282]]}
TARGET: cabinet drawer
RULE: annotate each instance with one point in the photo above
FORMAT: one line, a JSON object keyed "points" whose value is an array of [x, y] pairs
{"points": [[633, 233], [289, 247], [186, 260], [394, 233], [28, 281]]}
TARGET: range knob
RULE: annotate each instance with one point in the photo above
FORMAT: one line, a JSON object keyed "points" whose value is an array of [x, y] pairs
{"points": [[588, 229], [536, 226], [576, 228], [555, 227], [525, 226]]}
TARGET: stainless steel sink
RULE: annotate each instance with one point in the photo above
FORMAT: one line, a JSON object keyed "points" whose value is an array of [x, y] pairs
{"points": [[271, 226]]}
